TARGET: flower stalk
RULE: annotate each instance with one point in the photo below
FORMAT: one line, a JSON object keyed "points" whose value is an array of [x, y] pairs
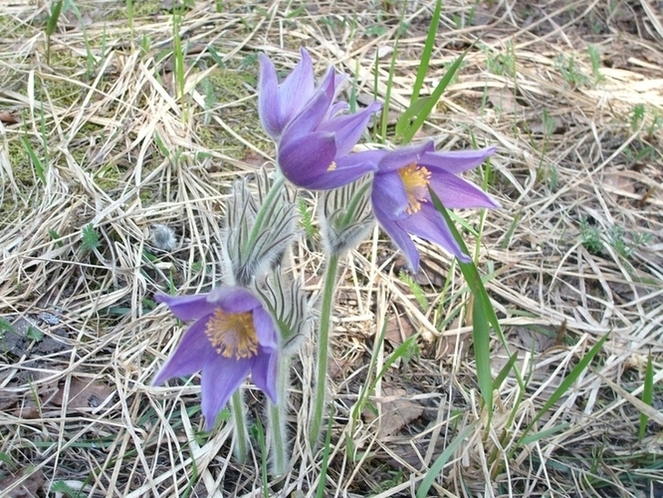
{"points": [[278, 418], [319, 397], [238, 410]]}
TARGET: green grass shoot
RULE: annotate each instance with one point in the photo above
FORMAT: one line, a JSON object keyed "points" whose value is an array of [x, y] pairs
{"points": [[90, 238], [37, 164], [439, 463], [415, 289], [647, 396], [51, 24], [483, 313], [566, 384]]}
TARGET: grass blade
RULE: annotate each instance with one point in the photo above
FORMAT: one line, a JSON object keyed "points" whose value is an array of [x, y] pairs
{"points": [[483, 313], [568, 381], [36, 162], [416, 104], [481, 342], [647, 396], [53, 18], [439, 463], [427, 107], [428, 50], [505, 371], [543, 434]]}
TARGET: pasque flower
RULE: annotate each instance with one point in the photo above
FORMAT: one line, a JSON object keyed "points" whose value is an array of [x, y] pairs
{"points": [[278, 103], [401, 200], [232, 335], [314, 137]]}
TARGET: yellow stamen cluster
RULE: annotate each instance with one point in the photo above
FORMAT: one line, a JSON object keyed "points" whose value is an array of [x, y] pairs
{"points": [[415, 180], [232, 334], [332, 166]]}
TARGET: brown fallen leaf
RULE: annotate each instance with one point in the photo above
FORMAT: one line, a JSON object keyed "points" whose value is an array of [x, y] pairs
{"points": [[503, 100], [398, 330], [29, 487], [8, 118], [83, 395], [619, 181], [396, 411]]}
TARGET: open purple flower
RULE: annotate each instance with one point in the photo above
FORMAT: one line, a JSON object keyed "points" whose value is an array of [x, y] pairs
{"points": [[401, 201], [314, 138], [232, 336]]}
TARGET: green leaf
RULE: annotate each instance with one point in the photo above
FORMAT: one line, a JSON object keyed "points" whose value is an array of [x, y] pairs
{"points": [[543, 434], [53, 18], [36, 162], [481, 341], [5, 326], [439, 463], [415, 289], [483, 313], [90, 238], [427, 108], [405, 120], [569, 380], [505, 371], [426, 55], [647, 396], [34, 334]]}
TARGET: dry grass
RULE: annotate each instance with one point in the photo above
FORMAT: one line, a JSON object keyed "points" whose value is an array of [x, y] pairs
{"points": [[574, 254]]}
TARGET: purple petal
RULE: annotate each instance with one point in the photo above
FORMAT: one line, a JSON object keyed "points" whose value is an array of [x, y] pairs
{"points": [[429, 224], [455, 192], [220, 379], [314, 112], [455, 161], [265, 330], [389, 194], [264, 374], [399, 236], [404, 156], [304, 159], [348, 169], [297, 88], [191, 354], [348, 129], [233, 299], [187, 307], [337, 108], [269, 108]]}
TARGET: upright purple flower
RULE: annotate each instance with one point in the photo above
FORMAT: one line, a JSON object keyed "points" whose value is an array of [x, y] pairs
{"points": [[232, 336], [314, 138], [278, 103], [401, 201]]}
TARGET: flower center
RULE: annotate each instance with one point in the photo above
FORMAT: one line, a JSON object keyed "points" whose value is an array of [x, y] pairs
{"points": [[232, 334], [415, 180]]}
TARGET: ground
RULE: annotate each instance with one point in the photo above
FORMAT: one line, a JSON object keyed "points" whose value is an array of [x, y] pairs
{"points": [[112, 126]]}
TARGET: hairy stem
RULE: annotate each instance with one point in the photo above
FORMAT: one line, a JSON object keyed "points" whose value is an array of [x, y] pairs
{"points": [[278, 416], [241, 433], [323, 350]]}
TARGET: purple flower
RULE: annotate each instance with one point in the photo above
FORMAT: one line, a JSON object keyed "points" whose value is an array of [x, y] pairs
{"points": [[314, 137], [232, 336], [278, 104], [401, 201]]}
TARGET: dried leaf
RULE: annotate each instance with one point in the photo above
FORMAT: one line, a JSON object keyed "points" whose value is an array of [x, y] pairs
{"points": [[398, 330], [503, 99], [83, 395], [618, 181], [396, 411], [29, 487], [8, 118]]}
